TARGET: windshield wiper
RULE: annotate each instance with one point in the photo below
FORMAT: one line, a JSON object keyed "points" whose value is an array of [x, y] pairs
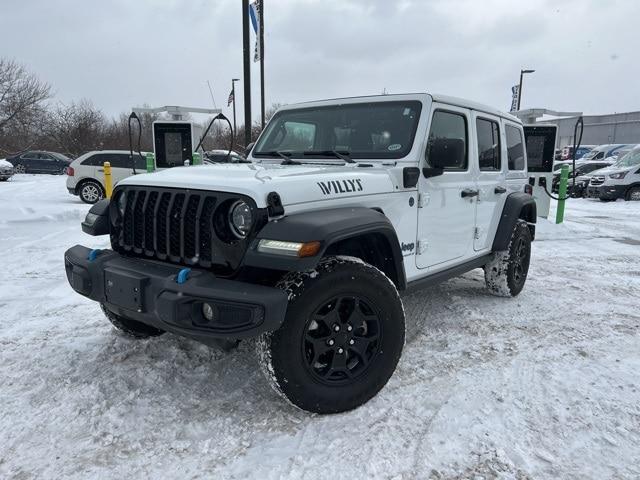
{"points": [[286, 155], [344, 155]]}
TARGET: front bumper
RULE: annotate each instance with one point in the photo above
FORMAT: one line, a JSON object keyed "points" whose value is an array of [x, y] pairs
{"points": [[147, 291], [606, 192]]}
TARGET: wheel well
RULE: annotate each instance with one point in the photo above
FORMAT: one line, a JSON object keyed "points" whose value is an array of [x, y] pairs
{"points": [[528, 214], [372, 248], [633, 185], [86, 180]]}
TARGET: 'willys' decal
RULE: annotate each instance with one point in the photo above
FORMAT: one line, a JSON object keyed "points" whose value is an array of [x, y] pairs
{"points": [[341, 186]]}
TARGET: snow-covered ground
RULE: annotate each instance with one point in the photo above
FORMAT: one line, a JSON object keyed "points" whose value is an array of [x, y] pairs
{"points": [[545, 385]]}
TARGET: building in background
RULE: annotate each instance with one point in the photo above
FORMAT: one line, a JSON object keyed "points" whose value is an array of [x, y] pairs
{"points": [[598, 129]]}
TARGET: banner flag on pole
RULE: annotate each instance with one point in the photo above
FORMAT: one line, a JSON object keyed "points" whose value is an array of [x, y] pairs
{"points": [[514, 98], [254, 15], [230, 101]]}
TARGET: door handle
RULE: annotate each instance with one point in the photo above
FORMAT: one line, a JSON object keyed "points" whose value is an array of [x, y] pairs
{"points": [[101, 169], [468, 193], [499, 190]]}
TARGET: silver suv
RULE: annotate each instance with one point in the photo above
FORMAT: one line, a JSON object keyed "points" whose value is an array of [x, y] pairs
{"points": [[620, 180]]}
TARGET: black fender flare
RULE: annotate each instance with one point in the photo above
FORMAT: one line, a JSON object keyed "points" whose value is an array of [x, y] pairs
{"points": [[328, 227], [517, 206]]}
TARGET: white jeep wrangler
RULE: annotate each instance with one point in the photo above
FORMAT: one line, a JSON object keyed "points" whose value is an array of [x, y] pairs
{"points": [[347, 203]]}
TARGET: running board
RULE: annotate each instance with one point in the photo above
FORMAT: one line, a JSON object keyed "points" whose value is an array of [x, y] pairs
{"points": [[439, 277]]}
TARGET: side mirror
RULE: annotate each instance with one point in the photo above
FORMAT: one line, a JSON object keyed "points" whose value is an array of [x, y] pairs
{"points": [[429, 172], [248, 148]]}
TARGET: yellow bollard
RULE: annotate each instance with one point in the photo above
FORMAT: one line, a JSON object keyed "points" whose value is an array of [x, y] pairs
{"points": [[108, 183]]}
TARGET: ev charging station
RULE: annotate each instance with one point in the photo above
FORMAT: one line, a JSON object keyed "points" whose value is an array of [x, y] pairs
{"points": [[175, 140], [540, 141]]}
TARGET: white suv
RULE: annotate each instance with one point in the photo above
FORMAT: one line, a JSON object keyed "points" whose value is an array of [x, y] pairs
{"points": [[85, 175], [346, 203], [620, 180]]}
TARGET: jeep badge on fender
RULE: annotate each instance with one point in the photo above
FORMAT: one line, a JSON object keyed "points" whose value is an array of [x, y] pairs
{"points": [[300, 248]]}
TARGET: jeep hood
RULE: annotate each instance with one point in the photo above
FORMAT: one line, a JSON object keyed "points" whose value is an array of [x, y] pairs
{"points": [[294, 183]]}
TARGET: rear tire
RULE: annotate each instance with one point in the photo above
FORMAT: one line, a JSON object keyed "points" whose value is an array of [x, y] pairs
{"points": [[506, 273], [633, 194], [341, 339], [90, 192], [131, 327]]}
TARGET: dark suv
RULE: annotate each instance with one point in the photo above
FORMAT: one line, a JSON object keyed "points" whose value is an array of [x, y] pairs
{"points": [[36, 161]]}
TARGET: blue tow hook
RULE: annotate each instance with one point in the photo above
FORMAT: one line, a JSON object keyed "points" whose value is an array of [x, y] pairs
{"points": [[183, 275], [93, 254]]}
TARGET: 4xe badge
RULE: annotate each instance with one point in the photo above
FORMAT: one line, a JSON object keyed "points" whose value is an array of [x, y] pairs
{"points": [[340, 186]]}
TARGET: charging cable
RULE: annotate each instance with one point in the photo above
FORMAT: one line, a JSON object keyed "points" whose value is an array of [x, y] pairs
{"points": [[133, 162], [220, 116]]}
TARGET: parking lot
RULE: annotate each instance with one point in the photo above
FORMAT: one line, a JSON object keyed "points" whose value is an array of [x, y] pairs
{"points": [[541, 385]]}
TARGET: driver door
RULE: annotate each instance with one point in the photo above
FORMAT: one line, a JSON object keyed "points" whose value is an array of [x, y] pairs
{"points": [[446, 207]]}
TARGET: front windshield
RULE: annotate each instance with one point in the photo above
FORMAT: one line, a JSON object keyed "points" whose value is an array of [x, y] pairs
{"points": [[377, 130], [630, 159]]}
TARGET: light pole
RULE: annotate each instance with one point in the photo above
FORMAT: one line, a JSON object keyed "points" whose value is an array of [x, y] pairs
{"points": [[522, 72], [246, 49], [233, 93]]}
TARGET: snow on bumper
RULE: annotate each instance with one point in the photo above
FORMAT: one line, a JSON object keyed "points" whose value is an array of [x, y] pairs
{"points": [[148, 292]]}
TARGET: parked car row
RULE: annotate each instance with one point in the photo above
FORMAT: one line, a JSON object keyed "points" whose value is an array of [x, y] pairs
{"points": [[607, 172]]}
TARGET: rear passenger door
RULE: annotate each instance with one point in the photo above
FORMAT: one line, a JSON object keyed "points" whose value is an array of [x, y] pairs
{"points": [[120, 167], [492, 181]]}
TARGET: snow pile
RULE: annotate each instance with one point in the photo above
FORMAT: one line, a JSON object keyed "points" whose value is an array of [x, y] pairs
{"points": [[541, 386]]}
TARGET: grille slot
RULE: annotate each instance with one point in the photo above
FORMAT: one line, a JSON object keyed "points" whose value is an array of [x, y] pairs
{"points": [[180, 226]]}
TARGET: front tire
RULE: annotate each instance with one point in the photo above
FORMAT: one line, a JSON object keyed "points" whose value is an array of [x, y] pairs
{"points": [[341, 339], [130, 327], [90, 192], [20, 168], [506, 273], [633, 194]]}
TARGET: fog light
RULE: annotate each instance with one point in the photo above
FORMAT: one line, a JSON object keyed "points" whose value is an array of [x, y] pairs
{"points": [[208, 312]]}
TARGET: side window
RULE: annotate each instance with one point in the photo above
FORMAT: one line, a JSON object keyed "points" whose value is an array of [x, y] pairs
{"points": [[488, 144], [92, 161], [515, 148], [598, 156], [120, 160], [141, 162], [29, 156], [447, 145]]}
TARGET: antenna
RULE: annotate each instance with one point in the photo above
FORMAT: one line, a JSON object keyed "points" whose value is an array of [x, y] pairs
{"points": [[211, 93]]}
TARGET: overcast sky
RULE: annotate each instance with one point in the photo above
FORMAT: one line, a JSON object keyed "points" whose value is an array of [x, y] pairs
{"points": [[121, 53]]}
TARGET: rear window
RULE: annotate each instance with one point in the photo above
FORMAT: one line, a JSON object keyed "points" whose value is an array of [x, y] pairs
{"points": [[515, 148]]}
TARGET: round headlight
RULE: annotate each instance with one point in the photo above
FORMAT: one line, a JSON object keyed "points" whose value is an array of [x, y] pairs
{"points": [[240, 218]]}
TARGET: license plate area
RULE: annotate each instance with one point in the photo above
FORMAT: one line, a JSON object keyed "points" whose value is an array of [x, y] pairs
{"points": [[124, 289]]}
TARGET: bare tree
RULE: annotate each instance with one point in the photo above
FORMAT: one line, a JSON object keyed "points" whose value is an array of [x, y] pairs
{"points": [[76, 128], [22, 95]]}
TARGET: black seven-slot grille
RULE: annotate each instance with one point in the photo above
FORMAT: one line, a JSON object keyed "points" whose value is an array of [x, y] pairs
{"points": [[189, 227]]}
